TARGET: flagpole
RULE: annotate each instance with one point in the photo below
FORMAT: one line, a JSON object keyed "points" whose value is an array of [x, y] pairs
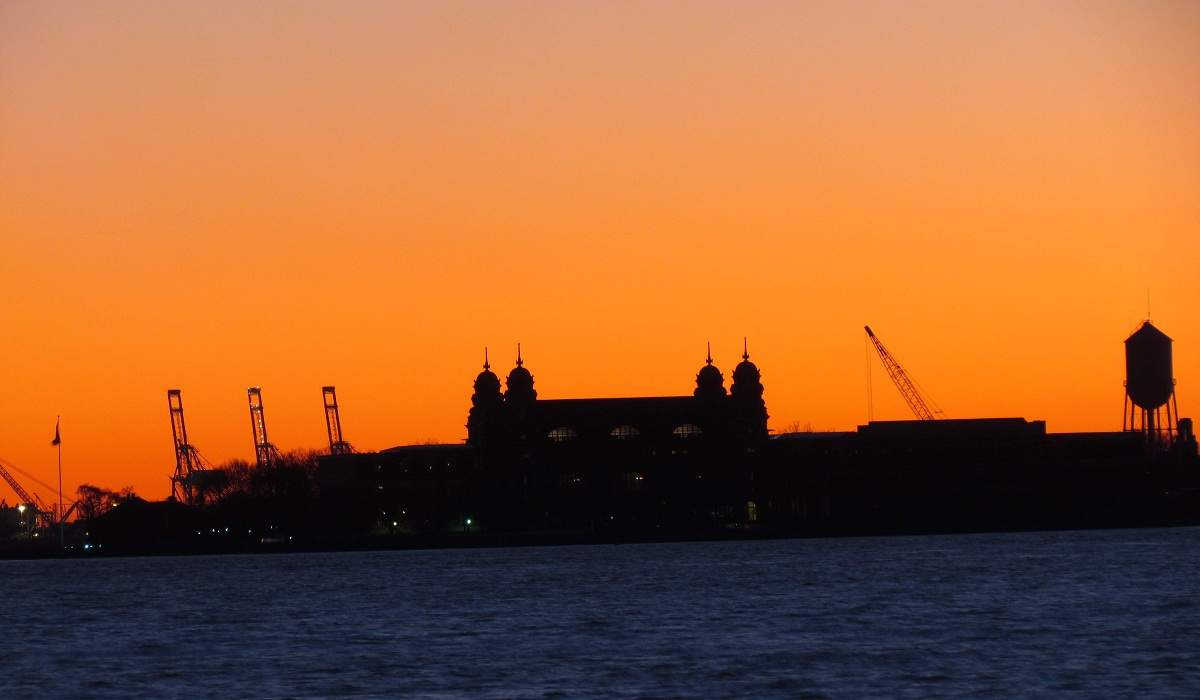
{"points": [[61, 534]]}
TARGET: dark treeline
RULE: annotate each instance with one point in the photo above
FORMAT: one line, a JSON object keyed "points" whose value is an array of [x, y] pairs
{"points": [[234, 505], [292, 475], [93, 501]]}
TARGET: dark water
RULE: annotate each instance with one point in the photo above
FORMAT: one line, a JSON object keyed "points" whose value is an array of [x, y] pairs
{"points": [[1078, 614]]}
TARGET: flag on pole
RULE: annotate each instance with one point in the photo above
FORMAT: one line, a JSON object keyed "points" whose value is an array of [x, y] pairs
{"points": [[57, 438]]}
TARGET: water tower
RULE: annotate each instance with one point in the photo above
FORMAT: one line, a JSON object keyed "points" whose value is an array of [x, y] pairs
{"points": [[1149, 384]]}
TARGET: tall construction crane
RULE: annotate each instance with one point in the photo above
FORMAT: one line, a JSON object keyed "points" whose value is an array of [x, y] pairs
{"points": [[264, 452], [188, 462], [908, 389], [333, 423]]}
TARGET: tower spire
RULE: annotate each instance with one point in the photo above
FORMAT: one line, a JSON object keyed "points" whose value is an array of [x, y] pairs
{"points": [[486, 365], [519, 362], [708, 354], [745, 349]]}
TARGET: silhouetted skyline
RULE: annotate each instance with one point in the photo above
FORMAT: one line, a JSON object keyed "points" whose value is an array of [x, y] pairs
{"points": [[294, 195]]}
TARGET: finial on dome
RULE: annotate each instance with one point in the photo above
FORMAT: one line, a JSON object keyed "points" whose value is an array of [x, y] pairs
{"points": [[519, 362], [745, 349], [486, 364], [708, 356]]}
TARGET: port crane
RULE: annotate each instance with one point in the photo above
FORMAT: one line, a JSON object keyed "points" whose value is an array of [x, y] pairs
{"points": [[908, 389], [265, 453], [189, 465], [333, 423]]}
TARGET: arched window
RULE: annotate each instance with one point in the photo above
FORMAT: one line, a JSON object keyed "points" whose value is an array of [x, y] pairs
{"points": [[562, 434], [624, 432], [687, 430]]}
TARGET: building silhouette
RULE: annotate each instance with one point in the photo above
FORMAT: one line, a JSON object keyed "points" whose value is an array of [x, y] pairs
{"points": [[705, 463]]}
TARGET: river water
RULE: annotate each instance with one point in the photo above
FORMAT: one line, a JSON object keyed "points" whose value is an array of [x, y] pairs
{"points": [[1059, 614]]}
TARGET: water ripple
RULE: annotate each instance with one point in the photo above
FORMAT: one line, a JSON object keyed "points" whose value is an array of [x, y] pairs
{"points": [[1081, 614]]}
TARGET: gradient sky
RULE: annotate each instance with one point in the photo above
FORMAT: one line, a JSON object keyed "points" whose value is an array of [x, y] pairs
{"points": [[213, 195]]}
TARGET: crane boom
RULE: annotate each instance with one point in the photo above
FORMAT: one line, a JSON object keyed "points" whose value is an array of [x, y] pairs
{"points": [[44, 514], [24, 495], [908, 390]]}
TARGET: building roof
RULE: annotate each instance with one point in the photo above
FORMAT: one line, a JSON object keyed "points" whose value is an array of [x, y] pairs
{"points": [[953, 427], [439, 447], [1147, 332]]}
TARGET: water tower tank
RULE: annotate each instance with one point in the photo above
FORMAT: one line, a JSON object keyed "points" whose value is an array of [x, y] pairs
{"points": [[1149, 379]]}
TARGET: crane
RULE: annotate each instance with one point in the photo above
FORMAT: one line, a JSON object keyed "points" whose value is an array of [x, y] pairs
{"points": [[333, 423], [188, 462], [45, 514], [908, 390], [265, 453]]}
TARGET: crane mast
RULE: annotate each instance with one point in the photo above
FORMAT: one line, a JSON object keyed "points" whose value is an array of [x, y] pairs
{"points": [[333, 423], [908, 390]]}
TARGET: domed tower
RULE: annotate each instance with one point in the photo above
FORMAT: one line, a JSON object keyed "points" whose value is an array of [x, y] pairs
{"points": [[746, 393], [710, 383], [486, 405], [520, 394], [1149, 382]]}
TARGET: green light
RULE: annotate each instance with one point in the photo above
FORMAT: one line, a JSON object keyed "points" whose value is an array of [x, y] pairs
{"points": [[468, 521]]}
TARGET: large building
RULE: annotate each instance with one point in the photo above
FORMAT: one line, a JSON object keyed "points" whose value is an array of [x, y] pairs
{"points": [[530, 463], [706, 463]]}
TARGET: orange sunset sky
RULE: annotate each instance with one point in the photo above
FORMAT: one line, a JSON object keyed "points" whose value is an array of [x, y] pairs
{"points": [[214, 195]]}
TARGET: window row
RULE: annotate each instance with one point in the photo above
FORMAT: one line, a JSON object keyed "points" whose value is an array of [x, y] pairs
{"points": [[622, 432]]}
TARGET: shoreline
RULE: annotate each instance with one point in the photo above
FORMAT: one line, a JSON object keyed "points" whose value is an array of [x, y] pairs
{"points": [[454, 541]]}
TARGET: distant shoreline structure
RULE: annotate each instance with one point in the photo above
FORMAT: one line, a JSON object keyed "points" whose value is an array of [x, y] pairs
{"points": [[699, 466]]}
